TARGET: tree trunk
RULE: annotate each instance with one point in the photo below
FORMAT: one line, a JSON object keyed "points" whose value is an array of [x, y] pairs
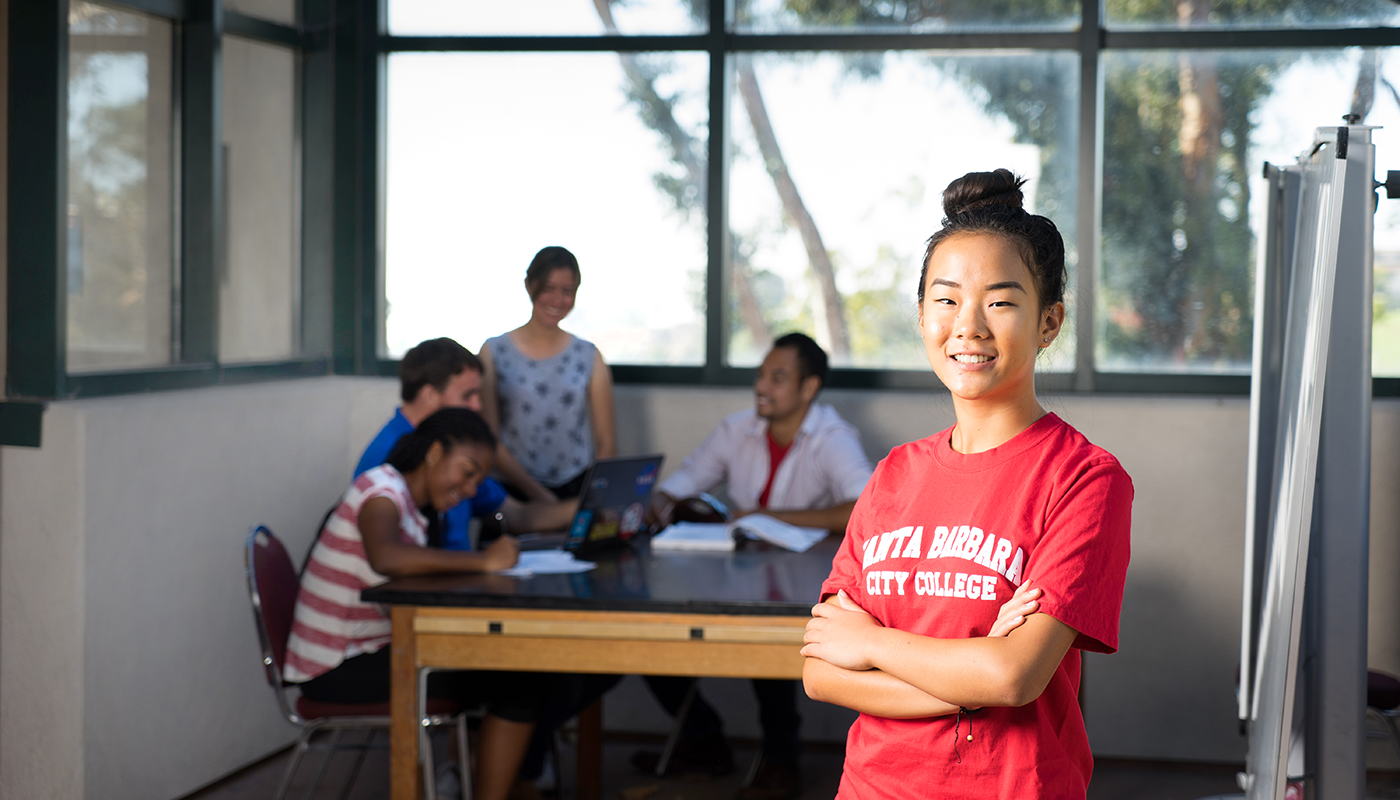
{"points": [[656, 113], [1202, 122], [817, 257]]}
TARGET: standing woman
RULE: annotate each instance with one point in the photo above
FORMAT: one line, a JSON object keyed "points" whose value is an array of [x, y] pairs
{"points": [[546, 391], [950, 526]]}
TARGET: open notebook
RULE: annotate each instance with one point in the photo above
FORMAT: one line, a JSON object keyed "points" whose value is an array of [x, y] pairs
{"points": [[722, 536]]}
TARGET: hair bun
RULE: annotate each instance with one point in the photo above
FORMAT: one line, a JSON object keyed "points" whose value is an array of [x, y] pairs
{"points": [[983, 189]]}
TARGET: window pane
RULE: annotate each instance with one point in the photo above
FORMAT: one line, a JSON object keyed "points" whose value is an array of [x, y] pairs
{"points": [[864, 168], [259, 293], [1185, 138], [1248, 13], [119, 248], [493, 156], [546, 17], [763, 16], [283, 11]]}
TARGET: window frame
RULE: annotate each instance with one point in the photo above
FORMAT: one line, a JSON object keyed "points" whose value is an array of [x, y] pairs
{"points": [[37, 169], [1090, 41], [344, 47]]}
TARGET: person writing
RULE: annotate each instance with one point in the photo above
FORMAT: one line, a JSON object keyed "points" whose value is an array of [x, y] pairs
{"points": [[546, 391], [437, 374], [338, 648], [950, 525], [791, 458]]}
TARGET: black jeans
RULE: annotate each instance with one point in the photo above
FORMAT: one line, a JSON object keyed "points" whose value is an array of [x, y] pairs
{"points": [[514, 696], [571, 694], [777, 714]]}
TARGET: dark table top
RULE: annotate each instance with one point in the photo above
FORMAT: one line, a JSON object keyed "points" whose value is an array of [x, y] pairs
{"points": [[757, 579]]}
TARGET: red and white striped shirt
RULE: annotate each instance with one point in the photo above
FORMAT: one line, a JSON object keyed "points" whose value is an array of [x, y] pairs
{"points": [[331, 622]]}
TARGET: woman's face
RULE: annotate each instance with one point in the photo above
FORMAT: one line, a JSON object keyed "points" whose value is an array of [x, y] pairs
{"points": [[454, 473], [981, 319], [555, 299]]}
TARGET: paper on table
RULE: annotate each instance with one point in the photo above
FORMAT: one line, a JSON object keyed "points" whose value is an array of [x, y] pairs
{"points": [[546, 562]]}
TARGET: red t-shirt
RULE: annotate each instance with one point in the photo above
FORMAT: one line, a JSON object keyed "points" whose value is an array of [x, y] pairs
{"points": [[776, 454], [937, 542]]}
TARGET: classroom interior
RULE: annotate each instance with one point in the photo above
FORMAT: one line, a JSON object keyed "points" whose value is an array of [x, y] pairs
{"points": [[128, 661]]}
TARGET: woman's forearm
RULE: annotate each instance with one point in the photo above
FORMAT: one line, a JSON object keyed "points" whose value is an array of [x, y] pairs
{"points": [[1006, 671], [870, 692]]}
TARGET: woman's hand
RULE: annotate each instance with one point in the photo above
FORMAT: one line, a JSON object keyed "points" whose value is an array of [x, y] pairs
{"points": [[1013, 614], [501, 554], [839, 632]]}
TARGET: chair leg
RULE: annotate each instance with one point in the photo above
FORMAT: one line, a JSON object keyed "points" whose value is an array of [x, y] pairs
{"points": [[676, 726], [1394, 732], [464, 764], [425, 742], [325, 763], [359, 762], [303, 742]]}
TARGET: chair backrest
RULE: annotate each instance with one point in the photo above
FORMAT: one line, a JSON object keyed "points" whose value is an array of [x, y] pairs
{"points": [[272, 587]]}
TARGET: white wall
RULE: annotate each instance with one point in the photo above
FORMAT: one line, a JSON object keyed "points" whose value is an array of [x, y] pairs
{"points": [[128, 663]]}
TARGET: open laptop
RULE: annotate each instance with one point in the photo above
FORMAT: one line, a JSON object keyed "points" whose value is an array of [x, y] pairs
{"points": [[612, 507]]}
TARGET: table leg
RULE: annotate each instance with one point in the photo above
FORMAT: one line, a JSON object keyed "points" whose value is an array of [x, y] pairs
{"points": [[590, 752], [404, 776]]}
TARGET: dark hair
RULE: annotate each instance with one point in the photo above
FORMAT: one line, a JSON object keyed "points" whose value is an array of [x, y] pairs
{"points": [[543, 265], [448, 427], [433, 363], [811, 358], [990, 203]]}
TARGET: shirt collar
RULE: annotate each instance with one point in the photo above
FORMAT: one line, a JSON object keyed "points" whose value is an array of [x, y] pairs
{"points": [[810, 422]]}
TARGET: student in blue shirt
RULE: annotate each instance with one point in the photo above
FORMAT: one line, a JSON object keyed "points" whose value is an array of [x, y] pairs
{"points": [[437, 374]]}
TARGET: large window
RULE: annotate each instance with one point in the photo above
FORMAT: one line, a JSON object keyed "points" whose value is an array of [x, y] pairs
{"points": [[159, 151], [120, 226], [732, 171]]}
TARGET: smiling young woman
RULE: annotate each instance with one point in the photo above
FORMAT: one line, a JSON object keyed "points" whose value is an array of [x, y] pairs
{"points": [[953, 525], [547, 392], [338, 648]]}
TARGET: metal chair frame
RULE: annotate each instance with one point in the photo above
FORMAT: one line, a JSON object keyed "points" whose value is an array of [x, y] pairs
{"points": [[336, 725]]}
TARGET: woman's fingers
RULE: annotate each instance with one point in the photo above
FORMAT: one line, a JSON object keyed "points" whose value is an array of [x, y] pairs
{"points": [[1023, 603]]}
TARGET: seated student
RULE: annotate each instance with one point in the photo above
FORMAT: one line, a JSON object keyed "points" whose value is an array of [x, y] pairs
{"points": [[440, 373], [791, 458], [338, 650]]}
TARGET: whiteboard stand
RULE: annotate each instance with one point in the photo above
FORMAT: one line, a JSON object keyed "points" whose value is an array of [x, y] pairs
{"points": [[1303, 650]]}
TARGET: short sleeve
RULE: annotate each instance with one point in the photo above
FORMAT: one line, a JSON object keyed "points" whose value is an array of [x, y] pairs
{"points": [[846, 565], [490, 496], [1081, 560]]}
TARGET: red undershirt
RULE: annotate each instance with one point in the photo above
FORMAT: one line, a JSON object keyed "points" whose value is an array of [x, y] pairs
{"points": [[776, 454]]}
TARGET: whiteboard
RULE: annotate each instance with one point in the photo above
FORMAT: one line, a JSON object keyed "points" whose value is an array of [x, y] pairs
{"points": [[1294, 471]]}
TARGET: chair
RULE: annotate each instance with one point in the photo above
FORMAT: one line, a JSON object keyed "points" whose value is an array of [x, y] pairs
{"points": [[272, 587], [1383, 702]]}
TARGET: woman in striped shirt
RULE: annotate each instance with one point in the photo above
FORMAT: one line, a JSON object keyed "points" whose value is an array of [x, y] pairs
{"points": [[338, 651]]}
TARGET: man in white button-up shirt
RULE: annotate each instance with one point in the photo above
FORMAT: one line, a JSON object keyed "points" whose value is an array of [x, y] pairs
{"points": [[793, 459]]}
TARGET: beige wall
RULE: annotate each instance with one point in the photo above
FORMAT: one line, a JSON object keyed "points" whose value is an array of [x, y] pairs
{"points": [[128, 663]]}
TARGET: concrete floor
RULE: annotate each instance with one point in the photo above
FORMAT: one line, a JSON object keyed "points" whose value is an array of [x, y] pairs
{"points": [[1113, 779]]}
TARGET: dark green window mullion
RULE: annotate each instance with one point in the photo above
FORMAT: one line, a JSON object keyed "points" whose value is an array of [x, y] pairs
{"points": [[202, 218], [1089, 195], [357, 105], [317, 183], [717, 199], [38, 172]]}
